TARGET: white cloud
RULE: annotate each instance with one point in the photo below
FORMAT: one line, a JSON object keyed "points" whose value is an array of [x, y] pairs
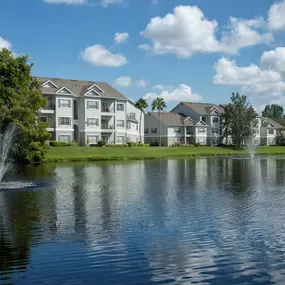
{"points": [[5, 44], [100, 56], [251, 78], [69, 2], [275, 60], [187, 31], [123, 81], [276, 16], [242, 33], [142, 83], [162, 87], [106, 3], [121, 37], [181, 93]]}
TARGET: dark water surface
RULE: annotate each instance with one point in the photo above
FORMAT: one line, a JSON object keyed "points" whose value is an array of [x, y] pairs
{"points": [[197, 221]]}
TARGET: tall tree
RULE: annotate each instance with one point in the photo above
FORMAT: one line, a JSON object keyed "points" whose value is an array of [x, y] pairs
{"points": [[238, 118], [141, 104], [20, 101], [158, 104], [274, 112]]}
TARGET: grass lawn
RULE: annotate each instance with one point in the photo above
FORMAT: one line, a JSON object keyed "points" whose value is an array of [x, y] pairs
{"points": [[66, 154]]}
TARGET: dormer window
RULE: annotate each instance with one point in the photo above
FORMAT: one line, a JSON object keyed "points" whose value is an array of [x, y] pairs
{"points": [[203, 119]]}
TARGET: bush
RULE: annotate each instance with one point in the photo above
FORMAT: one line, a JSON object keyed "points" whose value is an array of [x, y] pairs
{"points": [[61, 143], [143, 144], [197, 144], [177, 144], [131, 144], [101, 143], [154, 144], [116, 145], [93, 145]]}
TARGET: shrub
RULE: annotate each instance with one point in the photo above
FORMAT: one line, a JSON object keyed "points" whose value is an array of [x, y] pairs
{"points": [[116, 145], [131, 144], [177, 144], [101, 143], [61, 143], [154, 144], [93, 145], [197, 144]]}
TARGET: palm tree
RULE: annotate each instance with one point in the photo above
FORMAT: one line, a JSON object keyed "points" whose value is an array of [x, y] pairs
{"points": [[141, 104], [158, 104]]}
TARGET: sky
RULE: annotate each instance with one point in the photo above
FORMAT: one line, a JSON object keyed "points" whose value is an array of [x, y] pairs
{"points": [[181, 50]]}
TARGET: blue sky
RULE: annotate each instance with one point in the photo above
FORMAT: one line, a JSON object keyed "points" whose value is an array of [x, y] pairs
{"points": [[199, 50]]}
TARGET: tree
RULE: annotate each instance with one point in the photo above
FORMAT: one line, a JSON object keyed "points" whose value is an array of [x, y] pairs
{"points": [[238, 118], [141, 104], [20, 101], [274, 112], [158, 104]]}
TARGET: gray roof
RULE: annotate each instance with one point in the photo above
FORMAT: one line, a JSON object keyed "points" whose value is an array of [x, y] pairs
{"points": [[265, 122], [172, 119], [79, 87], [203, 108]]}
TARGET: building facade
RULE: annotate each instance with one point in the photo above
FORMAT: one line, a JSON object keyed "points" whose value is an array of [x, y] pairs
{"points": [[87, 111], [200, 123]]}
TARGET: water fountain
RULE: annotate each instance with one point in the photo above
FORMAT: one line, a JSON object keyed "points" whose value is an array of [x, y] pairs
{"points": [[6, 140], [250, 147]]}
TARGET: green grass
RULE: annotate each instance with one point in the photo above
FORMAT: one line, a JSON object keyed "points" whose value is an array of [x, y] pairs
{"points": [[70, 154]]}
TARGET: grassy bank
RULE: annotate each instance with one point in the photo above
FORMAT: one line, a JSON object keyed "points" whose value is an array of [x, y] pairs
{"points": [[70, 154]]}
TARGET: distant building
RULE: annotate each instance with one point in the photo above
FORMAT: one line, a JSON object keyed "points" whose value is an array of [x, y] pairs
{"points": [[190, 123], [87, 111]]}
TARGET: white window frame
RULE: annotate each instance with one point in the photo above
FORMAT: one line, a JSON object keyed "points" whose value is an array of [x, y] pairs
{"points": [[121, 104], [152, 130], [96, 107], [64, 135], [67, 106], [213, 118], [92, 141], [60, 123], [96, 120], [123, 125], [120, 142], [268, 131], [133, 115], [176, 130], [215, 129], [202, 130]]}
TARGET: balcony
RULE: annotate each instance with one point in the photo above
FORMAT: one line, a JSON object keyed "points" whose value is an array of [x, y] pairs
{"points": [[48, 109], [107, 127], [107, 111]]}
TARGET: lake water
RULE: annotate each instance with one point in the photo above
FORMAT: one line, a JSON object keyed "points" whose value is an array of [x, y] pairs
{"points": [[196, 221]]}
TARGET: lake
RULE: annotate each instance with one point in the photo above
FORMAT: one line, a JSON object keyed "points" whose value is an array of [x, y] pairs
{"points": [[192, 221]]}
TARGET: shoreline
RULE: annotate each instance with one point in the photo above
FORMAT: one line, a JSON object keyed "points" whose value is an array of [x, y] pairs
{"points": [[87, 154]]}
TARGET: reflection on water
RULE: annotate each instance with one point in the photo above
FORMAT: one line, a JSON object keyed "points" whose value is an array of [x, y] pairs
{"points": [[197, 221]]}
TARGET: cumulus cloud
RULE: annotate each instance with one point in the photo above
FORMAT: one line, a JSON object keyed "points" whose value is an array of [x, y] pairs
{"points": [[276, 16], [100, 56], [274, 60], [121, 37], [5, 44], [142, 83], [106, 3], [68, 2], [162, 87], [251, 78], [187, 31], [123, 81], [181, 93]]}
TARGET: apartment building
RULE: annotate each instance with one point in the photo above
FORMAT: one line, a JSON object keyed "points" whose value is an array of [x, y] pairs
{"points": [[87, 111], [191, 123]]}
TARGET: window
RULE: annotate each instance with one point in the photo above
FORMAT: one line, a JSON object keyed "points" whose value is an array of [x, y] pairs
{"points": [[271, 142], [271, 132], [93, 122], [201, 141], [146, 131], [43, 119], [92, 104], [256, 131], [92, 139], [256, 142], [120, 107], [133, 115], [64, 121], [214, 141], [64, 138], [177, 130], [215, 120], [120, 139], [120, 123], [64, 103], [201, 130], [154, 130], [203, 119], [105, 139], [129, 125], [215, 131]]}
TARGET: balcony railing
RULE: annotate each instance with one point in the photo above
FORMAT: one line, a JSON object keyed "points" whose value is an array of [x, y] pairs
{"points": [[107, 110], [49, 106], [107, 127]]}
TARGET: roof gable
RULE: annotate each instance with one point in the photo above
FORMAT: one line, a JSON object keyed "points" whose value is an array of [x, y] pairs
{"points": [[49, 84], [201, 124], [64, 90], [92, 92], [95, 87]]}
